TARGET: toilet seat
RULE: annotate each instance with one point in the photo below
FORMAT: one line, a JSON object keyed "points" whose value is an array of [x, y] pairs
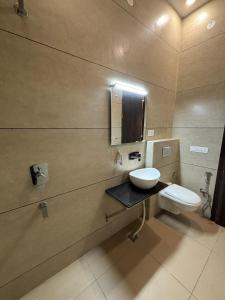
{"points": [[181, 195]]}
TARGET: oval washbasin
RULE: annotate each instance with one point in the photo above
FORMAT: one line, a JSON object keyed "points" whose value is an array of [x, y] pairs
{"points": [[145, 178]]}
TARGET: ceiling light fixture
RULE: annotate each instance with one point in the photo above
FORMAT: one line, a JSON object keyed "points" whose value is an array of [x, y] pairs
{"points": [[190, 2], [202, 16], [162, 20]]}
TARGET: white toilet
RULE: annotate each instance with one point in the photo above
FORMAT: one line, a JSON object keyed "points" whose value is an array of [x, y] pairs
{"points": [[176, 199], [173, 198]]}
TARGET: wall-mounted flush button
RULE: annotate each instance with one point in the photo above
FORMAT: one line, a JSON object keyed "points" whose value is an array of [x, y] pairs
{"points": [[39, 173], [166, 151]]}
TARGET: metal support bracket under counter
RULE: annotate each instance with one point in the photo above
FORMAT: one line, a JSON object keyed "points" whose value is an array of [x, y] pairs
{"points": [[129, 196]]}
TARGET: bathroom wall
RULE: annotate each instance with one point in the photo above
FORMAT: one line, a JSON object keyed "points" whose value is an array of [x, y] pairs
{"points": [[55, 69], [200, 106]]}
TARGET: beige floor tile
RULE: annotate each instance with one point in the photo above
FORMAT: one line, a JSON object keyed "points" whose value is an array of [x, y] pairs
{"points": [[104, 256], [198, 228], [211, 283], [219, 247], [193, 298], [65, 285], [139, 276], [179, 254], [93, 292]]}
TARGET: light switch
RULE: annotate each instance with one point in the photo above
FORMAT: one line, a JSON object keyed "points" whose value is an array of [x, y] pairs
{"points": [[199, 149], [151, 132]]}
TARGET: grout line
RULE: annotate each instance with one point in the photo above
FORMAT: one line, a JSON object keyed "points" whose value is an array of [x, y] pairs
{"points": [[53, 256], [198, 87], [101, 289], [163, 267], [84, 59], [200, 44], [61, 194], [53, 128], [100, 128], [197, 127], [198, 166], [143, 24], [201, 273]]}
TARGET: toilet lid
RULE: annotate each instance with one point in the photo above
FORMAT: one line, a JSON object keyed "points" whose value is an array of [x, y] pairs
{"points": [[182, 194]]}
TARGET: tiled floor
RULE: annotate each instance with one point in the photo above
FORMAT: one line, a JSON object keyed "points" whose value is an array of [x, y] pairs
{"points": [[173, 259]]}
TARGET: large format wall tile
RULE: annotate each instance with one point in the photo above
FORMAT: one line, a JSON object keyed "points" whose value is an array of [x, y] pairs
{"points": [[63, 92], [195, 31], [29, 239], [108, 36], [203, 64], [149, 12], [76, 158], [160, 108], [193, 177], [204, 137], [155, 152], [201, 107]]}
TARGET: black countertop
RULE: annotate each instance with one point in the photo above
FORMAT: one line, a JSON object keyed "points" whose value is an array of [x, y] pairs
{"points": [[129, 195]]}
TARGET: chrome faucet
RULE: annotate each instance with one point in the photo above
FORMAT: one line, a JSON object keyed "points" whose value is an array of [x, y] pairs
{"points": [[135, 155]]}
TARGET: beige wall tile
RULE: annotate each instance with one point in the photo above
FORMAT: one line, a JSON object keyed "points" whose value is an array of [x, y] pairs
{"points": [[170, 173], [23, 284], [204, 137], [72, 217], [105, 37], [160, 133], [193, 177], [42, 88], [196, 31], [148, 12], [203, 64], [154, 152], [201, 107], [76, 159], [160, 108]]}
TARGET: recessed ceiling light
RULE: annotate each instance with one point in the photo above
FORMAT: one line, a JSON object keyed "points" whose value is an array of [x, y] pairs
{"points": [[202, 16], [162, 20], [130, 2], [190, 2]]}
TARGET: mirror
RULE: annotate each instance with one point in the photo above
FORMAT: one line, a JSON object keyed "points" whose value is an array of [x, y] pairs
{"points": [[127, 115]]}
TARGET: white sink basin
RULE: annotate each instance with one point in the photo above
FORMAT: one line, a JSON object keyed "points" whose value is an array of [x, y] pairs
{"points": [[145, 178]]}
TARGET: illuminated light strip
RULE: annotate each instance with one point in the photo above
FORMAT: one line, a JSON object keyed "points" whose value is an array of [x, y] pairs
{"points": [[130, 88]]}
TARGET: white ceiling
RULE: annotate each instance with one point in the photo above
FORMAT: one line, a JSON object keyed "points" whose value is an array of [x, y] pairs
{"points": [[184, 10]]}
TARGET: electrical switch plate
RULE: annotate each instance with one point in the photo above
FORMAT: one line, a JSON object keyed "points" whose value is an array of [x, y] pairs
{"points": [[199, 149], [151, 132]]}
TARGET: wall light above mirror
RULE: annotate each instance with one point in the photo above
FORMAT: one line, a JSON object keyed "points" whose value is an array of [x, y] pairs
{"points": [[127, 113]]}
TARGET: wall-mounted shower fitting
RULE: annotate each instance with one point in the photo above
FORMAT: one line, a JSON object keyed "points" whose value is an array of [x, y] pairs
{"points": [[39, 174], [207, 199], [20, 9], [43, 206]]}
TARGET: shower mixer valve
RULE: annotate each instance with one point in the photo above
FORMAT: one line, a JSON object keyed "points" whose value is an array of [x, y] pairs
{"points": [[39, 174]]}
